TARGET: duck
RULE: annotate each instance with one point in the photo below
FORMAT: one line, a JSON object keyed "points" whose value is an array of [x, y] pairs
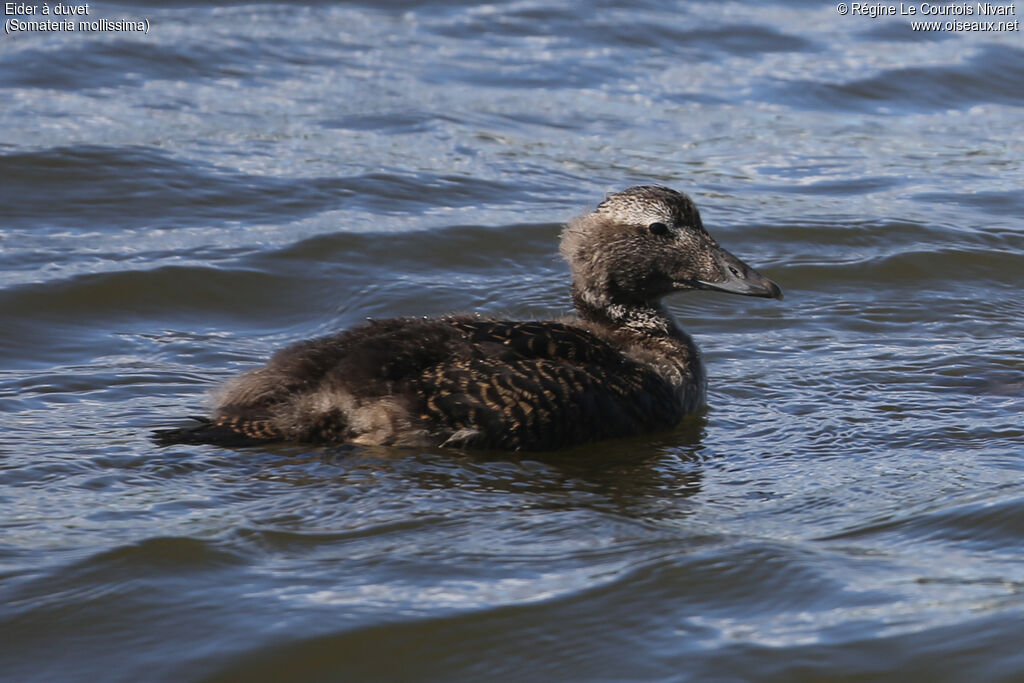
{"points": [[621, 366]]}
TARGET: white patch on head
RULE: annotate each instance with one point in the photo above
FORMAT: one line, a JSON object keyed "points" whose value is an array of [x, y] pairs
{"points": [[635, 211], [644, 205]]}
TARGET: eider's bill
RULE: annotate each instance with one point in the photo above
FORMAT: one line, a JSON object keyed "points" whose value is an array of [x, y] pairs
{"points": [[736, 277]]}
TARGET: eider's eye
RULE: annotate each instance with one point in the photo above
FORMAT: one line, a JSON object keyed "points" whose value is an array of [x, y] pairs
{"points": [[658, 229]]}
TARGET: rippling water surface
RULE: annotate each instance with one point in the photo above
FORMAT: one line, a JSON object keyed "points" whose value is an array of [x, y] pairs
{"points": [[175, 206]]}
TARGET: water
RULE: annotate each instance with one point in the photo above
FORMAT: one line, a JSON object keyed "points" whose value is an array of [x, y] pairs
{"points": [[176, 205]]}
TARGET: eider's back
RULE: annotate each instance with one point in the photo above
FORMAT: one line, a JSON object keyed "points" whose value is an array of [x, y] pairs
{"points": [[457, 381]]}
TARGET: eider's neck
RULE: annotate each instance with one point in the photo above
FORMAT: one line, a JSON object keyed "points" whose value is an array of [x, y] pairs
{"points": [[645, 318]]}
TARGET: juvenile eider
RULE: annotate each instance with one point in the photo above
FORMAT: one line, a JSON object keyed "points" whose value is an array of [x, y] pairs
{"points": [[622, 367]]}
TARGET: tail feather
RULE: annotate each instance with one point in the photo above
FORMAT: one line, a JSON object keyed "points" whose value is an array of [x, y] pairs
{"points": [[222, 432]]}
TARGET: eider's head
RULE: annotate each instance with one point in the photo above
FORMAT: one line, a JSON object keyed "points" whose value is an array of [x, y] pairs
{"points": [[645, 242]]}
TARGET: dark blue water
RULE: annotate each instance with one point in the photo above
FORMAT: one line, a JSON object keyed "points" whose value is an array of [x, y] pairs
{"points": [[176, 205]]}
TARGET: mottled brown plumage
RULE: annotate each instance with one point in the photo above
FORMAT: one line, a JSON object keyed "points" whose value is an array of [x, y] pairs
{"points": [[623, 367]]}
